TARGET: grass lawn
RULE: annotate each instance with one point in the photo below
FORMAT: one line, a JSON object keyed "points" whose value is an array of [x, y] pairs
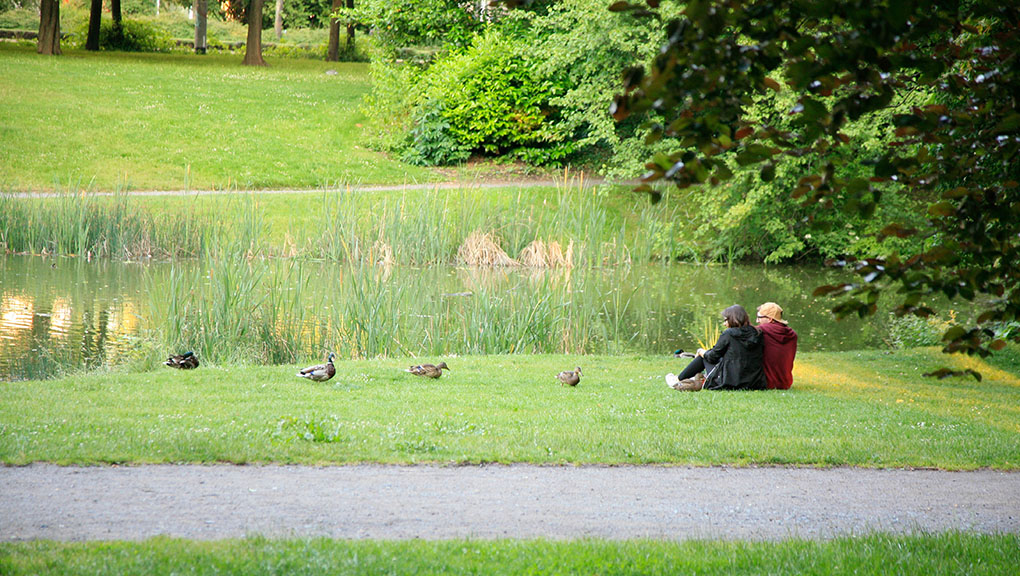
{"points": [[180, 121], [869, 409], [874, 554]]}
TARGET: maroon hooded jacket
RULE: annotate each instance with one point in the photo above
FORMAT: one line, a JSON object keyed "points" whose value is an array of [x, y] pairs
{"points": [[780, 349]]}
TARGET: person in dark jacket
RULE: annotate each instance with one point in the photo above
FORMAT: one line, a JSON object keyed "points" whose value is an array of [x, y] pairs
{"points": [[780, 346], [734, 363]]}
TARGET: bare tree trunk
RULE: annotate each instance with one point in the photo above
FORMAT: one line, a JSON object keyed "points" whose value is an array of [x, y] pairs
{"points": [[333, 51], [95, 15], [278, 23], [350, 33], [115, 16], [253, 46], [201, 21], [49, 27]]}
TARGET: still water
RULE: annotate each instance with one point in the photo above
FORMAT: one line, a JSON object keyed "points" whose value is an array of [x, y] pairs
{"points": [[74, 314]]}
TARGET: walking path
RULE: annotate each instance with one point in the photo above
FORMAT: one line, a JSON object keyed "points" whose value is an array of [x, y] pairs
{"points": [[415, 186], [44, 501]]}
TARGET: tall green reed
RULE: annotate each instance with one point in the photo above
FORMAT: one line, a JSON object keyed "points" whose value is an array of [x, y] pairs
{"points": [[78, 222], [272, 312]]}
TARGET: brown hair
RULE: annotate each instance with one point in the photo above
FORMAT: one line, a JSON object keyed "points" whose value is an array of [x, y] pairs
{"points": [[735, 316]]}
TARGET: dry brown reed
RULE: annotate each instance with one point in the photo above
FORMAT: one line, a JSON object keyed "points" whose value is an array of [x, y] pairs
{"points": [[382, 254], [538, 254], [482, 249]]}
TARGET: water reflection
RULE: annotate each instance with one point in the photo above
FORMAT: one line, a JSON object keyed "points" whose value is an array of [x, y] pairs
{"points": [[66, 313]]}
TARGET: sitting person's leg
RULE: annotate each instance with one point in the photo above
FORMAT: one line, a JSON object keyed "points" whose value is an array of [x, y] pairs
{"points": [[695, 367]]}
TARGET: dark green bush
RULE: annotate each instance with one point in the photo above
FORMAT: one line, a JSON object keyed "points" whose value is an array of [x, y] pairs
{"points": [[486, 99], [430, 143], [133, 36]]}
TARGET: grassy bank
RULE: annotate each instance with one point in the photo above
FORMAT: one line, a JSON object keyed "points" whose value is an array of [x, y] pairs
{"points": [[180, 121], [859, 409], [875, 554]]}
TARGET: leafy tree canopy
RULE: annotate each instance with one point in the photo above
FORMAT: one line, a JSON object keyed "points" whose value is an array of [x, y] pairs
{"points": [[956, 149]]}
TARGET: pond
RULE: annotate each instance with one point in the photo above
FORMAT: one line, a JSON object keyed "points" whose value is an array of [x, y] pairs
{"points": [[61, 314]]}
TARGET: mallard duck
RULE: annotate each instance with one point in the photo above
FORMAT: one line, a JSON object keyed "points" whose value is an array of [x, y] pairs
{"points": [[430, 370], [570, 378], [185, 361], [320, 372]]}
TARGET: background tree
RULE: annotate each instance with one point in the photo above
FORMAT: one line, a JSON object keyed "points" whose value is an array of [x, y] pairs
{"points": [[118, 21], [251, 12], [333, 51], [956, 150], [253, 45], [49, 27], [95, 18], [278, 20], [201, 26]]}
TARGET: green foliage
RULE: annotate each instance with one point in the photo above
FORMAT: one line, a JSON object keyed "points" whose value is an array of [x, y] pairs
{"points": [[402, 24], [430, 143], [485, 98], [953, 152], [532, 85], [581, 47], [142, 35], [911, 331]]}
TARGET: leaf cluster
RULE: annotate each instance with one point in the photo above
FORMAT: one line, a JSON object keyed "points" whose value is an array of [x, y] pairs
{"points": [[843, 61]]}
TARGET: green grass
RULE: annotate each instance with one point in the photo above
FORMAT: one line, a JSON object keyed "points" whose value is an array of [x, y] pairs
{"points": [[180, 121], [926, 555], [858, 409]]}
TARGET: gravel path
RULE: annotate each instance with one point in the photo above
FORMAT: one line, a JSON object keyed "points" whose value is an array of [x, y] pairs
{"points": [[43, 501]]}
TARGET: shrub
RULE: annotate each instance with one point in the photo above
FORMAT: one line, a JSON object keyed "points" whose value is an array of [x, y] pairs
{"points": [[430, 142], [913, 331], [488, 99], [135, 36]]}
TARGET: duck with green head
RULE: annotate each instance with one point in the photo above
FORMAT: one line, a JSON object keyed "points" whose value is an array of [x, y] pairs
{"points": [[186, 361], [319, 372]]}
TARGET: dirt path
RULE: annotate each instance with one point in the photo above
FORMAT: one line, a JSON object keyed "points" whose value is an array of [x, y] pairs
{"points": [[399, 502], [416, 186]]}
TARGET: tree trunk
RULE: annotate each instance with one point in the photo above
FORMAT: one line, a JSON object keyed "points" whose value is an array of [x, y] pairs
{"points": [[253, 46], [201, 20], [95, 15], [333, 52], [278, 23], [49, 27], [115, 16], [350, 33]]}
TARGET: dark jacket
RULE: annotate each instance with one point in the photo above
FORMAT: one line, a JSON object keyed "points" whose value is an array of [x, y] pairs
{"points": [[780, 350], [738, 356]]}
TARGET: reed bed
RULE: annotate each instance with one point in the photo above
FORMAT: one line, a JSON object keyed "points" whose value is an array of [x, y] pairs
{"points": [[279, 311], [422, 228]]}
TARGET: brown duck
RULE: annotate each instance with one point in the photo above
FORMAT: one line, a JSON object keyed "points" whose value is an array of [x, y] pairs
{"points": [[320, 372], [570, 378], [430, 370], [186, 361]]}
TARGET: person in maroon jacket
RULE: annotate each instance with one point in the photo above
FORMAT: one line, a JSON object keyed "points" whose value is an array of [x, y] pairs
{"points": [[780, 346]]}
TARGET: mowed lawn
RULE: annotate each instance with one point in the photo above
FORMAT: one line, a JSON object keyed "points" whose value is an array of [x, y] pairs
{"points": [[179, 121], [870, 409]]}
